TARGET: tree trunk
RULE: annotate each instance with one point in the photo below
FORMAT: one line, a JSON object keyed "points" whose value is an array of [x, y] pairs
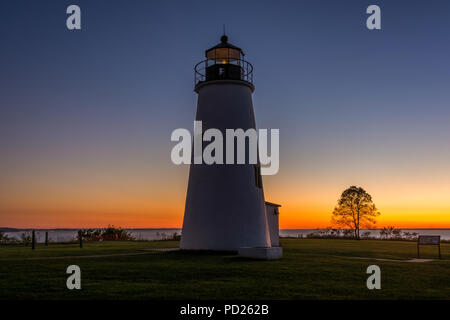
{"points": [[357, 225]]}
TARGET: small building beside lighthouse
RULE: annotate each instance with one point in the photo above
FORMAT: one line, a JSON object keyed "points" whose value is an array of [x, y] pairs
{"points": [[272, 212], [225, 207]]}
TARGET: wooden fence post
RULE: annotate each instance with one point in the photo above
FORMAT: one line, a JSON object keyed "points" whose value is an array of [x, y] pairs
{"points": [[80, 238], [33, 240], [46, 238]]}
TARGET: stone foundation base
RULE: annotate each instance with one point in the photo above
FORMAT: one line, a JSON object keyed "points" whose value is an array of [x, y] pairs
{"points": [[273, 253]]}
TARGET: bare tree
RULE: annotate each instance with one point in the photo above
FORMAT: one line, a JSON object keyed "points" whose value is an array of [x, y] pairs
{"points": [[355, 209]]}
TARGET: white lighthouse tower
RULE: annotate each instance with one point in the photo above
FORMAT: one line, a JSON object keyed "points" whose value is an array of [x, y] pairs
{"points": [[225, 207]]}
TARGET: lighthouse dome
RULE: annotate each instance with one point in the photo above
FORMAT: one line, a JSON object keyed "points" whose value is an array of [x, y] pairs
{"points": [[224, 52]]}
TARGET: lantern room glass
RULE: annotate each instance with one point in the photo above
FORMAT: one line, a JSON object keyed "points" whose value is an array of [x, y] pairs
{"points": [[224, 56]]}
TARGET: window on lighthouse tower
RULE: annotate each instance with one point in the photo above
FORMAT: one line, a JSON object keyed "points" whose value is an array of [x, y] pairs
{"points": [[258, 178]]}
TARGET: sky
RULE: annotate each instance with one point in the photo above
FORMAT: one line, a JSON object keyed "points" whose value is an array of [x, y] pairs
{"points": [[86, 116]]}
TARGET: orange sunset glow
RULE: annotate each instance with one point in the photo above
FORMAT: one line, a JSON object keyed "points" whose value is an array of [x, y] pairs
{"points": [[156, 199]]}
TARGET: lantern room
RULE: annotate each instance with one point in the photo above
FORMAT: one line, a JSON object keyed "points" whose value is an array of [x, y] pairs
{"points": [[224, 52], [223, 62]]}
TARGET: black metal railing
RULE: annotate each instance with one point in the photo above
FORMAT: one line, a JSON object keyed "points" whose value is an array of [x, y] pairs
{"points": [[203, 70]]}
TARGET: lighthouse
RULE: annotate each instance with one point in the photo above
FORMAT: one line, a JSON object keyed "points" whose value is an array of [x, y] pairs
{"points": [[225, 207]]}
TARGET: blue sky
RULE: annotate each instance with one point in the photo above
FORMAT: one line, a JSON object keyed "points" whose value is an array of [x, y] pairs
{"points": [[353, 106]]}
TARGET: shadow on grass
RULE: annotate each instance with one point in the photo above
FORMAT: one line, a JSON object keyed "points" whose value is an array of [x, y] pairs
{"points": [[228, 256]]}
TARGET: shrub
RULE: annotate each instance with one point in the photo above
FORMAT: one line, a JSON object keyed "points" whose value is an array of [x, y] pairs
{"points": [[110, 233], [25, 239], [90, 234], [387, 233], [164, 236], [176, 236], [331, 233], [113, 233], [366, 235], [391, 233]]}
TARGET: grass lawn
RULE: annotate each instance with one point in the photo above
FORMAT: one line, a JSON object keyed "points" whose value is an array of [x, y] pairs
{"points": [[310, 269]]}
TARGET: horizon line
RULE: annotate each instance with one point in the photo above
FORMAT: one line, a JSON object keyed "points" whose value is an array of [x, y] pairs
{"points": [[169, 228]]}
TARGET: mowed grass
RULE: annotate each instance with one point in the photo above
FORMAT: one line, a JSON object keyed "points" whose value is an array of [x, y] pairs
{"points": [[310, 269]]}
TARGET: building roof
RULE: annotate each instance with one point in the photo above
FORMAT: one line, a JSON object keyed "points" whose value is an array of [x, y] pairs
{"points": [[272, 204], [224, 44]]}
